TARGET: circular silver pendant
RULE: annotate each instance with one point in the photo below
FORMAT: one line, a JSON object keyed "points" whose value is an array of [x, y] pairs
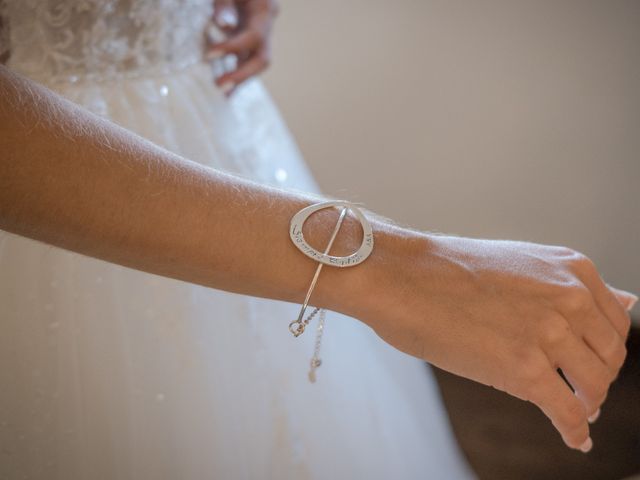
{"points": [[295, 232]]}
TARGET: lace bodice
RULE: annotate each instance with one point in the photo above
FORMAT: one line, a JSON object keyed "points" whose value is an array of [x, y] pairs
{"points": [[75, 40]]}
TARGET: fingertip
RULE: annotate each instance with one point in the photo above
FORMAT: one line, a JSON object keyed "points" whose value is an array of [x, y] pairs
{"points": [[627, 299], [594, 417], [586, 446], [632, 301], [576, 438]]}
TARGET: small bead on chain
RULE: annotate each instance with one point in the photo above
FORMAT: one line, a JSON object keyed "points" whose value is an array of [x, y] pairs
{"points": [[315, 360]]}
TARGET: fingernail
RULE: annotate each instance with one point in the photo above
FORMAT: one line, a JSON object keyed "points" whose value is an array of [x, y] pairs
{"points": [[213, 54], [632, 302], [227, 18], [587, 445], [594, 417], [227, 87]]}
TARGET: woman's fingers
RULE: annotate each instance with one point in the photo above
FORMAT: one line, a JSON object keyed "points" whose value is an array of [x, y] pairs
{"points": [[606, 301], [253, 58], [586, 346], [246, 41], [248, 44], [588, 322], [605, 342], [611, 307], [586, 372], [229, 81], [594, 417], [627, 299], [567, 413]]}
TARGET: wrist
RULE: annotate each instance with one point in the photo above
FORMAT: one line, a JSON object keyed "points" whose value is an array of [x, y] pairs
{"points": [[365, 290]]}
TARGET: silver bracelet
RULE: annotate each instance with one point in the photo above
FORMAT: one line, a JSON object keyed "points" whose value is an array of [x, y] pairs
{"points": [[295, 233]]}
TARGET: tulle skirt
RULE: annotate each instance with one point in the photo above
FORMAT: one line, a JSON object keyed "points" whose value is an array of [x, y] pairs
{"points": [[111, 373]]}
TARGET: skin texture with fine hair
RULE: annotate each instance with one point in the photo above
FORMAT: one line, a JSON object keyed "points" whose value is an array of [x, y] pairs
{"points": [[503, 313]]}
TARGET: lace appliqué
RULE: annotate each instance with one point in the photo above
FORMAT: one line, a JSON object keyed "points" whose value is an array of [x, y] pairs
{"points": [[98, 40]]}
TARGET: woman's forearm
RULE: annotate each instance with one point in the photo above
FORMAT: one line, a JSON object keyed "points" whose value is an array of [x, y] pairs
{"points": [[71, 179], [503, 313]]}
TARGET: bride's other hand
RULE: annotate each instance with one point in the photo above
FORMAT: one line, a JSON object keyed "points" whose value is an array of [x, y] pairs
{"points": [[507, 314], [247, 24]]}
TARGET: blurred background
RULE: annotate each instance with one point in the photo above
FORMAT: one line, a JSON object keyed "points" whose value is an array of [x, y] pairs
{"points": [[495, 119]]}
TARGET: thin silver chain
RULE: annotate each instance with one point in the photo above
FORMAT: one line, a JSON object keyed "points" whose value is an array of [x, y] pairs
{"points": [[315, 360]]}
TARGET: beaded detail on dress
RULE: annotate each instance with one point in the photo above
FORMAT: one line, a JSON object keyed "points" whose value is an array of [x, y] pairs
{"points": [[100, 40]]}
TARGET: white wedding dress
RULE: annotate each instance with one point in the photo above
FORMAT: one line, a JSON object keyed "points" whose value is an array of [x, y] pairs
{"points": [[111, 373]]}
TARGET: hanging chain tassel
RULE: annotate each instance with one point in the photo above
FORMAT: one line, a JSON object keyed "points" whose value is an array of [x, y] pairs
{"points": [[315, 360]]}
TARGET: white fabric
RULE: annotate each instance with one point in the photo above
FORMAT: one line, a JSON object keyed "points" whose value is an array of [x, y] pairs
{"points": [[111, 373]]}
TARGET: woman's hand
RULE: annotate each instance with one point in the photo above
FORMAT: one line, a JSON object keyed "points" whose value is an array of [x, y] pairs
{"points": [[507, 314], [247, 25]]}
